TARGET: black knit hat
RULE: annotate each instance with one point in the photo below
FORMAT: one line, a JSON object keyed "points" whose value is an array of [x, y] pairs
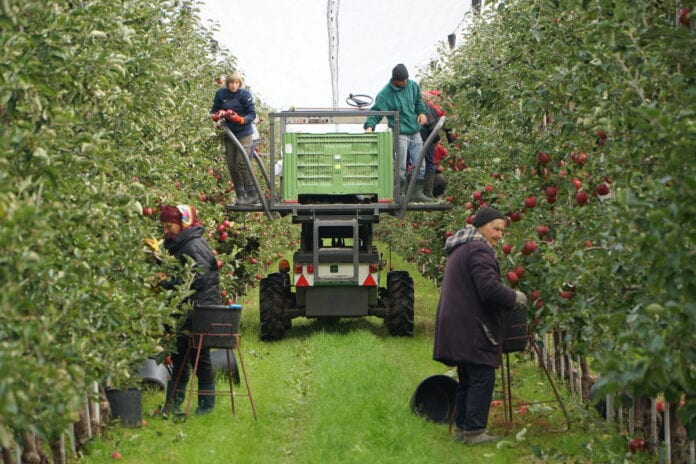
{"points": [[486, 215], [399, 73]]}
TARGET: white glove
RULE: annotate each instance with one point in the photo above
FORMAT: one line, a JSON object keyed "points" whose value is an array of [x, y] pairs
{"points": [[520, 298]]}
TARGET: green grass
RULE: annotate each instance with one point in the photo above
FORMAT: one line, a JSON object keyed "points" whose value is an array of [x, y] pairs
{"points": [[341, 393]]}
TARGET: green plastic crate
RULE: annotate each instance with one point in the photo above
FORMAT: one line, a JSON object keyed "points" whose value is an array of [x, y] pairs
{"points": [[337, 163]]}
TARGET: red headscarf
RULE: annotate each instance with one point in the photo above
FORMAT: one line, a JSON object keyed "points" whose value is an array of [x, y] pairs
{"points": [[185, 215]]}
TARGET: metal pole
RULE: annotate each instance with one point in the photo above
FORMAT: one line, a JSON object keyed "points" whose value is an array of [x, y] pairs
{"points": [[240, 147]]}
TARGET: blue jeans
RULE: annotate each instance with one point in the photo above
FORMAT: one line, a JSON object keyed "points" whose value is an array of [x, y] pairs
{"points": [[409, 148], [474, 394]]}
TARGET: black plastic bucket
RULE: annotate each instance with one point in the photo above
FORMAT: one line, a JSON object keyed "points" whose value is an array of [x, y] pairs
{"points": [[153, 373], [218, 359], [126, 405], [217, 324], [434, 398], [515, 330]]}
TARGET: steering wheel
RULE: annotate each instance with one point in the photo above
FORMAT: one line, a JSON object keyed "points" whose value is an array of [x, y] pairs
{"points": [[359, 101]]}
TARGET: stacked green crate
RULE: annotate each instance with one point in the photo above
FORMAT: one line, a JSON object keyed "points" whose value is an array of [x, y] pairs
{"points": [[336, 164]]}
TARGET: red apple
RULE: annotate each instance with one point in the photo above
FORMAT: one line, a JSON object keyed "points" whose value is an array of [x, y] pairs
{"points": [[602, 189], [542, 230], [220, 228], [469, 205], [488, 188], [566, 295], [543, 157], [530, 202], [507, 248], [637, 444], [512, 277], [449, 233], [588, 244], [148, 211], [259, 277], [519, 270], [529, 247], [226, 223], [477, 195], [535, 295], [470, 220], [222, 236], [223, 293], [581, 198], [220, 263], [577, 183], [580, 157], [116, 455], [684, 17]]}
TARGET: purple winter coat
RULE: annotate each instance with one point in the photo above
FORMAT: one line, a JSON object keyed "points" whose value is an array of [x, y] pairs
{"points": [[468, 326]]}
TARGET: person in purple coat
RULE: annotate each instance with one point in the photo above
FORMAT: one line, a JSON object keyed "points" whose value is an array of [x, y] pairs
{"points": [[468, 326]]}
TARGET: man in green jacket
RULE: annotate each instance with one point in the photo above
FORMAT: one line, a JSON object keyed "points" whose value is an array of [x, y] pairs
{"points": [[403, 95]]}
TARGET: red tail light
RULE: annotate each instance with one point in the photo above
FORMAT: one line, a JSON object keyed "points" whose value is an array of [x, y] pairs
{"points": [[298, 269], [310, 269], [374, 268]]}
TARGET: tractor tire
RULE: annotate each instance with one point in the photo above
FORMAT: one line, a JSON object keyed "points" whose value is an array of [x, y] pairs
{"points": [[273, 307], [399, 318]]}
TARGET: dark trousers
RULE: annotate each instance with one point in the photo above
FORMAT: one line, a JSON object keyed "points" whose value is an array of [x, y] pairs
{"points": [[239, 170], [205, 372], [474, 393]]}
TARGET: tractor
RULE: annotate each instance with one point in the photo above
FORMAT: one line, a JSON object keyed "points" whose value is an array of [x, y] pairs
{"points": [[335, 185]]}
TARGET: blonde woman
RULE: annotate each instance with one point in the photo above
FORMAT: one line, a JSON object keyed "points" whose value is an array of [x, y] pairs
{"points": [[233, 106]]}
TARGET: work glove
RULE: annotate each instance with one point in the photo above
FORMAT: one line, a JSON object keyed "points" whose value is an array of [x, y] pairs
{"points": [[520, 299], [234, 117], [152, 243], [217, 116]]}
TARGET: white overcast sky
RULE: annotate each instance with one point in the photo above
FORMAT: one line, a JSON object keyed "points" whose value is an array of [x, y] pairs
{"points": [[282, 46]]}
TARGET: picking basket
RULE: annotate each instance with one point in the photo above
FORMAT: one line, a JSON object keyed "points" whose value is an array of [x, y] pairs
{"points": [[217, 324]]}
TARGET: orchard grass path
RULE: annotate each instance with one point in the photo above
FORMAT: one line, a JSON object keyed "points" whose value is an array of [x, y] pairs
{"points": [[340, 393]]}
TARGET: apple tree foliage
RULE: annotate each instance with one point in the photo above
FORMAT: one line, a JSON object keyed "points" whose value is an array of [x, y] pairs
{"points": [[607, 90], [103, 111]]}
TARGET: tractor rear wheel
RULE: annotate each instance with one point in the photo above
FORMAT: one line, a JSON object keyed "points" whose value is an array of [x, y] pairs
{"points": [[273, 307], [399, 318]]}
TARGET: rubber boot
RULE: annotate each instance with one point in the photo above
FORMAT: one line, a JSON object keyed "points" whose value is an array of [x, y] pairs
{"points": [[251, 196], [241, 196], [418, 195], [206, 399], [428, 182], [173, 402]]}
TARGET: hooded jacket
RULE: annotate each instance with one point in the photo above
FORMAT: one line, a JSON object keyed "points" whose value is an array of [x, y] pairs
{"points": [[468, 325], [190, 242]]}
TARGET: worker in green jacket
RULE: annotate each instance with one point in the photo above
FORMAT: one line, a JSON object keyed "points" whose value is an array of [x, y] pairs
{"points": [[403, 95]]}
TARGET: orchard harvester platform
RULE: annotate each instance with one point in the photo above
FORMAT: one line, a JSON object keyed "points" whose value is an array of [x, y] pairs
{"points": [[335, 185]]}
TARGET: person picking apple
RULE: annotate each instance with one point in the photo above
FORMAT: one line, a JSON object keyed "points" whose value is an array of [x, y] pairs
{"points": [[184, 239], [468, 325]]}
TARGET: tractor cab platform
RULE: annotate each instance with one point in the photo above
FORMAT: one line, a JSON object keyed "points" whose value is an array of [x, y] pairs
{"points": [[313, 172]]}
